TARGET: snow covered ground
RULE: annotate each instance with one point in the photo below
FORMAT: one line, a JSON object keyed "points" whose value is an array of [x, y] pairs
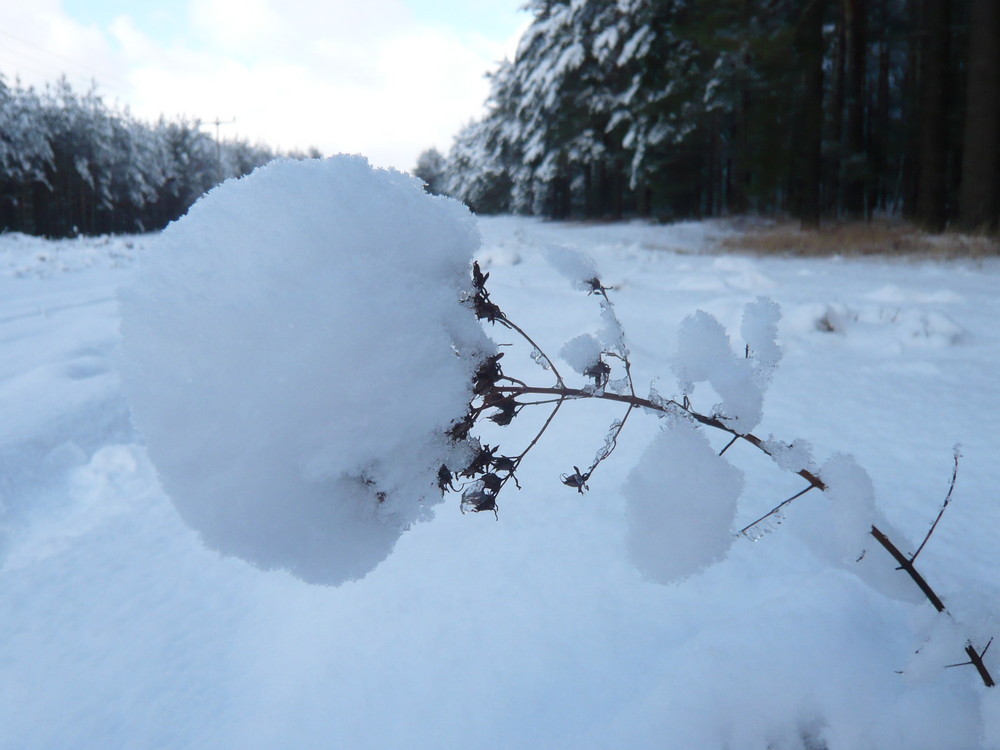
{"points": [[119, 629]]}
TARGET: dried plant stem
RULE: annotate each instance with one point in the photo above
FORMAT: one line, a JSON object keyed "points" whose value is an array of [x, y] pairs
{"points": [[664, 407], [976, 660], [502, 392], [729, 445], [610, 445], [944, 505], [906, 564], [777, 508], [538, 436], [552, 366]]}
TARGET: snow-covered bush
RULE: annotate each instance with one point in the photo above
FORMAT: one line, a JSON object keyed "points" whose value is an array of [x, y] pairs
{"points": [[304, 355]]}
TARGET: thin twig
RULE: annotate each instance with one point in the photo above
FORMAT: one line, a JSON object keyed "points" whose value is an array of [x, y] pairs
{"points": [[623, 356], [552, 365], [777, 507], [541, 403], [729, 445], [520, 457], [513, 380], [947, 499], [609, 446]]}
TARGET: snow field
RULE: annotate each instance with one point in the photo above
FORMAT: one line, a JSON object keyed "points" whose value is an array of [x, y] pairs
{"points": [[119, 628]]}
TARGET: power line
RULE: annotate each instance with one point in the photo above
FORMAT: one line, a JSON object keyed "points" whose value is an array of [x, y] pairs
{"points": [[21, 70], [75, 62], [31, 69], [30, 59]]}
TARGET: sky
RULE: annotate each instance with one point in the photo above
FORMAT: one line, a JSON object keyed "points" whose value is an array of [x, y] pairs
{"points": [[384, 78]]}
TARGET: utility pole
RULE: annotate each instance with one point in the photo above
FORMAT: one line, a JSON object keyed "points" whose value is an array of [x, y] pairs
{"points": [[218, 144]]}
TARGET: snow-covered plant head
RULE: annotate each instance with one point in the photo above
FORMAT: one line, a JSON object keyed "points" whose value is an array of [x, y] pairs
{"points": [[295, 350], [305, 355]]}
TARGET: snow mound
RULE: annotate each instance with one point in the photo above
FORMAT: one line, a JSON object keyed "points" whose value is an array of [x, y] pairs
{"points": [[498, 257], [89, 493], [294, 350], [904, 327], [741, 274]]}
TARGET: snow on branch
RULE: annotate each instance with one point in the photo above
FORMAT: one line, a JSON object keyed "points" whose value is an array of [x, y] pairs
{"points": [[306, 404]]}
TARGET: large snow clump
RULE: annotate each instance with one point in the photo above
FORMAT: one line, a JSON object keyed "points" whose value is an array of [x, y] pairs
{"points": [[681, 504], [294, 350]]}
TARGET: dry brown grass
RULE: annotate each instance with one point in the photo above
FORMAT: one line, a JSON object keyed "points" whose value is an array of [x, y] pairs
{"points": [[875, 238]]}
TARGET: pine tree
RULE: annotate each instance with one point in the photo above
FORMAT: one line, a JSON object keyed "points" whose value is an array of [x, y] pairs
{"points": [[677, 108], [980, 192]]}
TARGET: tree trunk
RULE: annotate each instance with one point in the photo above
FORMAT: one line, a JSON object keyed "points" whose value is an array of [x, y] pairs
{"points": [[932, 203], [979, 197], [835, 167], [855, 26], [739, 202], [879, 131], [909, 174], [809, 40], [710, 166]]}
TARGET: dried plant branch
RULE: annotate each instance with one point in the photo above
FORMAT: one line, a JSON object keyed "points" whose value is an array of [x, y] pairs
{"points": [[665, 406], [501, 392], [610, 443], [729, 445], [976, 660], [907, 565], [944, 506]]}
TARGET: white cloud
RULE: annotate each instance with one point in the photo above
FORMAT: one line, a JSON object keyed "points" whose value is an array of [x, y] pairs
{"points": [[133, 44], [39, 43], [235, 25], [338, 75]]}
